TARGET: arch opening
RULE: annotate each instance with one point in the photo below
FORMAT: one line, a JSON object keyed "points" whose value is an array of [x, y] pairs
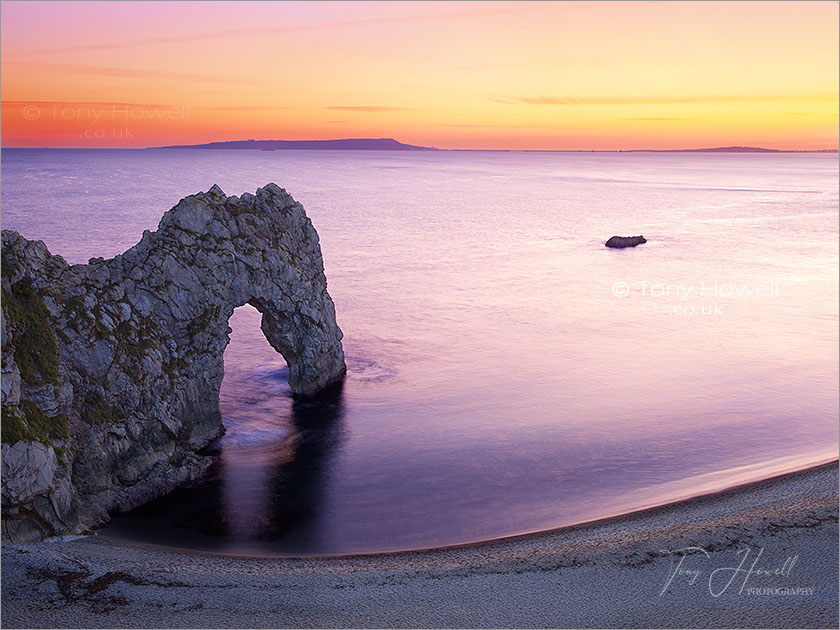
{"points": [[255, 396], [277, 448]]}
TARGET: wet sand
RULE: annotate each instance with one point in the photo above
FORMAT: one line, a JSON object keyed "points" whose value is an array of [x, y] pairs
{"points": [[763, 555]]}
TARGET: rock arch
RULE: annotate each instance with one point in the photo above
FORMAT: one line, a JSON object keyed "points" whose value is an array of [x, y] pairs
{"points": [[128, 352]]}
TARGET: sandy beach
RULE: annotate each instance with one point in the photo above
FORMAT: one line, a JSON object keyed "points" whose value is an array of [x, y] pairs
{"points": [[761, 555]]}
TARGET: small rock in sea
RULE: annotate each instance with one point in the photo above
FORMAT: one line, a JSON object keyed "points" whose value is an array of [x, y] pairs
{"points": [[625, 241]]}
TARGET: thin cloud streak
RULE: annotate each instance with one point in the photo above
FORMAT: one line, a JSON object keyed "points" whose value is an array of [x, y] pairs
{"points": [[251, 108], [654, 119], [497, 126], [805, 114], [58, 104], [274, 30], [129, 73], [366, 108], [653, 100]]}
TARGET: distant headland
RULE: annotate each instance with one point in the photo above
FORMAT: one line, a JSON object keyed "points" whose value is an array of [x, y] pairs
{"points": [[731, 150], [389, 144], [346, 144]]}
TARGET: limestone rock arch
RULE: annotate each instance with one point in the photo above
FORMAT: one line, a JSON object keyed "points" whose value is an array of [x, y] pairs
{"points": [[112, 370]]}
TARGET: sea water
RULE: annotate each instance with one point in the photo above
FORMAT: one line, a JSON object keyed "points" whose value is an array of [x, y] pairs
{"points": [[507, 373]]}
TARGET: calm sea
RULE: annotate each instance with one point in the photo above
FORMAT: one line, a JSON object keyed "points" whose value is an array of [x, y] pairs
{"points": [[507, 372]]}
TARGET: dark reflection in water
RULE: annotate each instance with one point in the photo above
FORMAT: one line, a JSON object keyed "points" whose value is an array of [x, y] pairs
{"points": [[271, 494], [298, 478]]}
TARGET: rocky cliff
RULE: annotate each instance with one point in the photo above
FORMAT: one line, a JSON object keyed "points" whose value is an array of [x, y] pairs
{"points": [[111, 370]]}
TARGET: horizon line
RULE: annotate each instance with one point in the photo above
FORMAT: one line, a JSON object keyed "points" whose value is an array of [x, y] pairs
{"points": [[721, 149], [731, 148]]}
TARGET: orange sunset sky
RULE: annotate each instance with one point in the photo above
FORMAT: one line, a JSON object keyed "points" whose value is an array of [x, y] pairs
{"points": [[516, 75]]}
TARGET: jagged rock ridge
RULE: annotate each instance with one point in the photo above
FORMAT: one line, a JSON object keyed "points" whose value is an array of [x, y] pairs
{"points": [[111, 370]]}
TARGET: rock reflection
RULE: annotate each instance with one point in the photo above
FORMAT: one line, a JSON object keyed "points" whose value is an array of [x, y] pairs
{"points": [[263, 494], [274, 492]]}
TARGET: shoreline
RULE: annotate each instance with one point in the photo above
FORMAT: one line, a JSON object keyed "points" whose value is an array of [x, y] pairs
{"points": [[609, 573], [596, 522]]}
